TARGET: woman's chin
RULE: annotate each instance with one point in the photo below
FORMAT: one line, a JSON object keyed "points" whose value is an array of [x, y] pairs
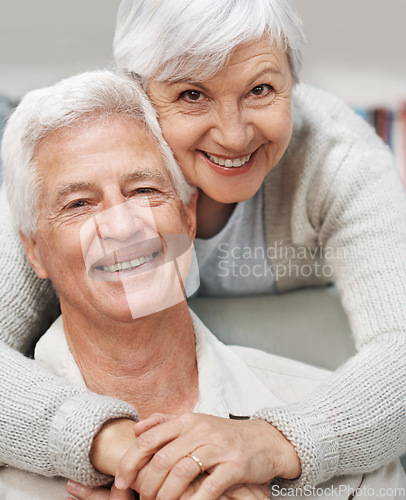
{"points": [[228, 194]]}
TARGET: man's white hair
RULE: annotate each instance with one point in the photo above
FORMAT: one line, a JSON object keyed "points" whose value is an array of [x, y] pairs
{"points": [[70, 103], [189, 39]]}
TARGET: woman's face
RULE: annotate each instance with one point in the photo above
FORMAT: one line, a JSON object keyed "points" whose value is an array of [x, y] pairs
{"points": [[229, 131]]}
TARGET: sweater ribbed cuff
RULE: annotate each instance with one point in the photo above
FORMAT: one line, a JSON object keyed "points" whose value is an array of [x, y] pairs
{"points": [[73, 428], [313, 439]]}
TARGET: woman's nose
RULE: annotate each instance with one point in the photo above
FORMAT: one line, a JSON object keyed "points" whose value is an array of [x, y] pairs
{"points": [[233, 131], [120, 222]]}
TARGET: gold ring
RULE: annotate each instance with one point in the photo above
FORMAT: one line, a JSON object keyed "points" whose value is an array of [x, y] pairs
{"points": [[198, 461]]}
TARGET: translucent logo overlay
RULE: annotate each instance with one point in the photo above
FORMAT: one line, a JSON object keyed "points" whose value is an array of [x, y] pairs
{"points": [[132, 243]]}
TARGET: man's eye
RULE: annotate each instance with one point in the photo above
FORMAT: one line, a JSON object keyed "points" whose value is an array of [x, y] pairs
{"points": [[145, 190], [261, 90], [192, 95], [77, 204]]}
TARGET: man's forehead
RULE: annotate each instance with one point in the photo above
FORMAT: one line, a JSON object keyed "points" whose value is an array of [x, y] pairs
{"points": [[121, 146]]}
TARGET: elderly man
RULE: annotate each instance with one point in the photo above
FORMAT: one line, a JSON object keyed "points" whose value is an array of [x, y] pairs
{"points": [[104, 213]]}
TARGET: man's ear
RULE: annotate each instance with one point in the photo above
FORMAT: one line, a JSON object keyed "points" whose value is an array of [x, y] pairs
{"points": [[190, 210], [34, 255]]}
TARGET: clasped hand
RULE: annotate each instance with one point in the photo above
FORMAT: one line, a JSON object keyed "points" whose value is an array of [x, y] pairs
{"points": [[239, 457]]}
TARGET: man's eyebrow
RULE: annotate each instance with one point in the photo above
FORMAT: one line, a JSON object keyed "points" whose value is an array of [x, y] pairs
{"points": [[140, 175], [72, 187]]}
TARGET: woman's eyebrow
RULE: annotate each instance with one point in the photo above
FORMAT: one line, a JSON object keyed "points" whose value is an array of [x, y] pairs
{"points": [[268, 70], [189, 82]]}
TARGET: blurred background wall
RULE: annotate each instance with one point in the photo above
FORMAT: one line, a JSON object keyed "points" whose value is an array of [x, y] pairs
{"points": [[356, 48]]}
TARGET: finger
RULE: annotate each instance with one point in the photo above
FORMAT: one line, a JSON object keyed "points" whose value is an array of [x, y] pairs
{"points": [[86, 492], [150, 422], [143, 449], [193, 487], [239, 492], [170, 471], [170, 483], [218, 482], [247, 492], [121, 494]]}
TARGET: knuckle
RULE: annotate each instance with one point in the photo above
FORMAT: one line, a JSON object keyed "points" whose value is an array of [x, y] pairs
{"points": [[213, 487], [158, 417], [187, 419], [146, 441], [162, 461], [185, 469], [145, 493], [240, 460]]}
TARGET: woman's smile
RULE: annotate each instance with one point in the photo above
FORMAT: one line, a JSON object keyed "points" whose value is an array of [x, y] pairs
{"points": [[229, 165], [228, 162]]}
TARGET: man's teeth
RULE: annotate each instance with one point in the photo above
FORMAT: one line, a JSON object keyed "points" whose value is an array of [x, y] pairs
{"points": [[238, 162], [128, 265]]}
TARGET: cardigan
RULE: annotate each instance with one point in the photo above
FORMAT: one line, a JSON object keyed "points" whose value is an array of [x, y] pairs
{"points": [[335, 210]]}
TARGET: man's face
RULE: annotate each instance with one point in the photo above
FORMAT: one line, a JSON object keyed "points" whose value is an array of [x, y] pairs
{"points": [[112, 233]]}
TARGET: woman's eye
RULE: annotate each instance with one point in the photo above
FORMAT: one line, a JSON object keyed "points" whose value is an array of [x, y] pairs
{"points": [[192, 95], [261, 90]]}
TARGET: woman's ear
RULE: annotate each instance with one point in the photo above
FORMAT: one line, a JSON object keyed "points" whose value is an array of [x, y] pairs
{"points": [[33, 254]]}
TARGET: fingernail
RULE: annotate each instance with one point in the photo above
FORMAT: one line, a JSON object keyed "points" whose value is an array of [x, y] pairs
{"points": [[77, 488], [120, 483]]}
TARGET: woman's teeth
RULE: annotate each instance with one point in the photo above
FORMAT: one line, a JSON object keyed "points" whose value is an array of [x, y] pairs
{"points": [[128, 265], [238, 162]]}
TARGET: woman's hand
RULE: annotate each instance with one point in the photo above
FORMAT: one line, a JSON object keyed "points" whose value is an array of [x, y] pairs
{"points": [[110, 445], [233, 452]]}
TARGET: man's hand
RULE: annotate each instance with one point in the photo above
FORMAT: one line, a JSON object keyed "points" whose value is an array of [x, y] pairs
{"points": [[86, 493]]}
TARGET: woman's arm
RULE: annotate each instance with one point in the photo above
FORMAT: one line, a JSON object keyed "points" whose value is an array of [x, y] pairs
{"points": [[28, 305], [47, 427], [356, 421]]}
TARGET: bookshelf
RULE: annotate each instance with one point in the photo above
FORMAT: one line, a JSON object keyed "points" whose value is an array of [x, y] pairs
{"points": [[355, 50]]}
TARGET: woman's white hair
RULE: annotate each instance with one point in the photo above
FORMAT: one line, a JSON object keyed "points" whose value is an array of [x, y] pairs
{"points": [[72, 102], [183, 39]]}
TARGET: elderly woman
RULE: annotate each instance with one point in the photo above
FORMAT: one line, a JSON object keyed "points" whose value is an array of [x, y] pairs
{"points": [[277, 164], [103, 211]]}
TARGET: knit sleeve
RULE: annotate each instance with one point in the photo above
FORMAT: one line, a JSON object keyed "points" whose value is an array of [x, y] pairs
{"points": [[27, 304], [356, 420], [47, 427]]}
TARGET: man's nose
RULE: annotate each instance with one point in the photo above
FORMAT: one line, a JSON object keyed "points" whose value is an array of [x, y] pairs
{"points": [[233, 131], [121, 222]]}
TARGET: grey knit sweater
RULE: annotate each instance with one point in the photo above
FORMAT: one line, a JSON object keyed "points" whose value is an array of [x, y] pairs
{"points": [[336, 205]]}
